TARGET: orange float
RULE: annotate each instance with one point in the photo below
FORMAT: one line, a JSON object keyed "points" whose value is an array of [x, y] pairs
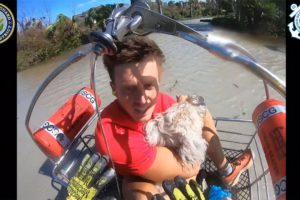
{"points": [[60, 129], [269, 118]]}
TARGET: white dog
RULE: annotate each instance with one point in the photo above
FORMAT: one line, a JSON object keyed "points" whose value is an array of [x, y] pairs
{"points": [[180, 129]]}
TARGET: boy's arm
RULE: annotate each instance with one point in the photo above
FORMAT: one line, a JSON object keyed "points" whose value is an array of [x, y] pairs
{"points": [[166, 166]]}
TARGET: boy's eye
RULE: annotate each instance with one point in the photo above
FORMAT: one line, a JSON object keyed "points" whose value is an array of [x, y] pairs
{"points": [[129, 89], [148, 86]]}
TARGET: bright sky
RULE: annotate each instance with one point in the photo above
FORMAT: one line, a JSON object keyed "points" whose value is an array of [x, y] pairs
{"points": [[52, 8]]}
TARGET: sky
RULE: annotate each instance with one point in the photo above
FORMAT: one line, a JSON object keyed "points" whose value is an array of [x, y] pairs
{"points": [[52, 8]]}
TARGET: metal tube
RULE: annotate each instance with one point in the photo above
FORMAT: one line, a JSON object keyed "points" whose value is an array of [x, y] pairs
{"points": [[248, 62], [154, 22], [74, 58], [264, 74]]}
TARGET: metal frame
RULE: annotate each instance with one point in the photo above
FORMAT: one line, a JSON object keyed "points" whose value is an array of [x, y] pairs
{"points": [[260, 172], [129, 18]]}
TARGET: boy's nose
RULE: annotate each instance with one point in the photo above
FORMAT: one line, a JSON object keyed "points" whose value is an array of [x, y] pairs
{"points": [[142, 96]]}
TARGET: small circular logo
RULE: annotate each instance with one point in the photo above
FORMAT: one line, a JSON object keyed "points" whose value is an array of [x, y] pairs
{"points": [[7, 23]]}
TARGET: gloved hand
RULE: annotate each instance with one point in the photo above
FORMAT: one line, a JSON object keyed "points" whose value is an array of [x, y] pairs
{"points": [[88, 180], [181, 190]]}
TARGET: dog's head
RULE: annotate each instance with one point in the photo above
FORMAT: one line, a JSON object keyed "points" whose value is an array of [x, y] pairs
{"points": [[196, 100], [168, 128]]}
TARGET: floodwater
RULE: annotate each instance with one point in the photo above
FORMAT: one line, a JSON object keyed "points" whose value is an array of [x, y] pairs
{"points": [[229, 90]]}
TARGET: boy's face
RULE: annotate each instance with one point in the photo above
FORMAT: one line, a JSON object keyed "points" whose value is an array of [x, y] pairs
{"points": [[136, 86]]}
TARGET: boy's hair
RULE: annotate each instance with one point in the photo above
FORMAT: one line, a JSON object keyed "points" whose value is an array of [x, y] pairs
{"points": [[133, 49]]}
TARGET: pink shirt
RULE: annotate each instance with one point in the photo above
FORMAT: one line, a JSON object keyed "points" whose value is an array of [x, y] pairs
{"points": [[126, 138]]}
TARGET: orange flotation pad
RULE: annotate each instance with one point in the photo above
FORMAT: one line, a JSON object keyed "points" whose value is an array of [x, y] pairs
{"points": [[61, 128], [270, 119]]}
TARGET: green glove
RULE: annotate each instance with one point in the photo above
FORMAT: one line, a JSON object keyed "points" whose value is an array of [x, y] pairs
{"points": [[179, 189], [88, 180]]}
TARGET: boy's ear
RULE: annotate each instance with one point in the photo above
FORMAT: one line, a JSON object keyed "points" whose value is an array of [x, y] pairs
{"points": [[112, 85]]}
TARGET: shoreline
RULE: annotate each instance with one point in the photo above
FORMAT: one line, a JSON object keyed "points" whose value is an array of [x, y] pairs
{"points": [[195, 21]]}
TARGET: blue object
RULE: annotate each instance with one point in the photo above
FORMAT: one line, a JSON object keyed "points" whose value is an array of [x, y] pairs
{"points": [[217, 193]]}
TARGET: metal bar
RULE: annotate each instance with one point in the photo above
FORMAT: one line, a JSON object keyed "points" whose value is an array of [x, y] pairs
{"points": [[264, 74], [266, 171], [257, 185], [93, 85], [56, 170], [85, 144], [247, 147], [57, 179], [259, 177], [266, 90], [216, 124], [263, 170], [155, 22], [74, 58], [81, 150], [233, 141], [234, 133], [232, 119], [76, 139]]}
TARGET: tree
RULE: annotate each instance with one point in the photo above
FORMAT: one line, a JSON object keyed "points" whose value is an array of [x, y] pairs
{"points": [[96, 16], [64, 33], [91, 18], [159, 6]]}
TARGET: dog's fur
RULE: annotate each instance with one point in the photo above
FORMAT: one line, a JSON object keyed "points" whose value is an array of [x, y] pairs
{"points": [[180, 129]]}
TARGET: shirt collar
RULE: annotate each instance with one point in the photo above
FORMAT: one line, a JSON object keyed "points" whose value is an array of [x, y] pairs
{"points": [[121, 118]]}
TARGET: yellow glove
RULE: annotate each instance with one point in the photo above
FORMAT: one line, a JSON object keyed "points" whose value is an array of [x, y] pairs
{"points": [[181, 190], [88, 180]]}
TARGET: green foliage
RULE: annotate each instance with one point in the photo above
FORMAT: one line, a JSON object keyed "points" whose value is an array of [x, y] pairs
{"points": [[228, 22], [226, 5], [172, 12], [31, 48], [272, 19], [89, 21], [64, 33], [264, 17], [209, 12], [96, 16], [38, 43]]}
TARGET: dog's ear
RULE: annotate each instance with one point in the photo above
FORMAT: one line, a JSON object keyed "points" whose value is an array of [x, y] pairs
{"points": [[152, 134]]}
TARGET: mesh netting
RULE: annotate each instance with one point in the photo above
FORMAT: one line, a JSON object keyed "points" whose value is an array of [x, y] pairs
{"points": [[241, 191]]}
